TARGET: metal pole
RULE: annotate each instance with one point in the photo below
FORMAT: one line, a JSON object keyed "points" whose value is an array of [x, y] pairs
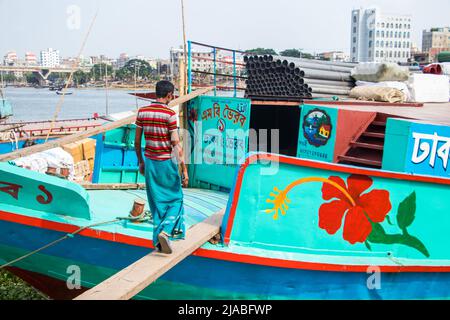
{"points": [[106, 89], [189, 67], [234, 73], [135, 83], [184, 48], [215, 70]]}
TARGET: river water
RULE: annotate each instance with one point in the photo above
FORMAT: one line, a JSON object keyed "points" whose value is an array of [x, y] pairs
{"points": [[31, 104]]}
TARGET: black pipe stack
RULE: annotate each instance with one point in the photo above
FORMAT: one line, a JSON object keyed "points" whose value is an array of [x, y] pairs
{"points": [[275, 79]]}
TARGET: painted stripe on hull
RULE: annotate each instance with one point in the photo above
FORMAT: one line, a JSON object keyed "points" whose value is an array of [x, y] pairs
{"points": [[198, 277], [118, 238], [237, 281]]}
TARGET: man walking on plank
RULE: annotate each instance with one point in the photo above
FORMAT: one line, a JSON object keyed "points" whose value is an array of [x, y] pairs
{"points": [[158, 123]]}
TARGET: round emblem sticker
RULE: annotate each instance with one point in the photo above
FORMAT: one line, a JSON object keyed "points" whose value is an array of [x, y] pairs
{"points": [[317, 127]]}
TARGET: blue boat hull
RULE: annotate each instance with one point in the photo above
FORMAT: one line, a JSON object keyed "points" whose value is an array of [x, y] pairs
{"points": [[207, 278]]}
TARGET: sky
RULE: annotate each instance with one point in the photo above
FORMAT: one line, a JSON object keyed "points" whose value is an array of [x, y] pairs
{"points": [[152, 27]]}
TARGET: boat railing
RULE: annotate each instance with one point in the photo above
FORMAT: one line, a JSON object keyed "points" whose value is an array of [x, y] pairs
{"points": [[220, 67], [70, 129]]}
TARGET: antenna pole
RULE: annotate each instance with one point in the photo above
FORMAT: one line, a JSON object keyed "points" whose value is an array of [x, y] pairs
{"points": [[185, 50], [106, 89]]}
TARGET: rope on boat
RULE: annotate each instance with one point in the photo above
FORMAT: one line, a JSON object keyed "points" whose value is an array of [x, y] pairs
{"points": [[144, 217]]}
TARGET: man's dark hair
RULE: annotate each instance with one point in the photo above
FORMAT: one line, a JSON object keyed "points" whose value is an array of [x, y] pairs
{"points": [[163, 88]]}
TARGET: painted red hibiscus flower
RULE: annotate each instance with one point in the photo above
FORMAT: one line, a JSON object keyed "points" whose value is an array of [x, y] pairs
{"points": [[356, 209]]}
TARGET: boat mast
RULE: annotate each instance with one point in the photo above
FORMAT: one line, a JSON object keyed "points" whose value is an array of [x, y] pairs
{"points": [[135, 84], [185, 51], [1, 85], [106, 89]]}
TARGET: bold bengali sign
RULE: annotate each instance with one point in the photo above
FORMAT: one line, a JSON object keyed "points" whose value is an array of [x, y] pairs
{"points": [[219, 126], [317, 134], [428, 150]]}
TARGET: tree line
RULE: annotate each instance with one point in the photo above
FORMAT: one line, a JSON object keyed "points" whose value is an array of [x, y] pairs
{"points": [[293, 53], [133, 68]]}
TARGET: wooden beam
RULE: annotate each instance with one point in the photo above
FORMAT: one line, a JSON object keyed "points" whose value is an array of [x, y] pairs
{"points": [[136, 277], [92, 132]]}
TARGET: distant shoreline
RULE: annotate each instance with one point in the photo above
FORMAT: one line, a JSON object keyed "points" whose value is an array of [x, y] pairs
{"points": [[119, 88]]}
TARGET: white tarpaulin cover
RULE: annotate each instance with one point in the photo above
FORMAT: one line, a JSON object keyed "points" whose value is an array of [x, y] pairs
{"points": [[429, 87], [40, 162], [377, 72]]}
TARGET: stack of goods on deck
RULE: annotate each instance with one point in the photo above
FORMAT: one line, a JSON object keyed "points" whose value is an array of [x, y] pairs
{"points": [[285, 78], [55, 162], [83, 154], [389, 82], [73, 161]]}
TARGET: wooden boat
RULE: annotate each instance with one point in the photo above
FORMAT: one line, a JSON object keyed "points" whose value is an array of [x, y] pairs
{"points": [[34, 132], [60, 93], [294, 227]]}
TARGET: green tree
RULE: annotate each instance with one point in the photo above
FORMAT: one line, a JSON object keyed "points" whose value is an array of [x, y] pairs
{"points": [[139, 67], [262, 51], [123, 74], [295, 53], [9, 77], [32, 78], [98, 71], [81, 77]]}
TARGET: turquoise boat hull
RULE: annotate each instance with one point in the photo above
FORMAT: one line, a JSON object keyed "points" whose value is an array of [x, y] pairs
{"points": [[265, 254]]}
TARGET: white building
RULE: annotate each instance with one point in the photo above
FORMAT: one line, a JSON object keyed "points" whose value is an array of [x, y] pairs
{"points": [[338, 56], [30, 59], [50, 58], [10, 59], [200, 61], [378, 37], [122, 61]]}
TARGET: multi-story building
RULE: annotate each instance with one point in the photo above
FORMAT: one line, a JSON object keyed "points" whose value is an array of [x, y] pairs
{"points": [[123, 59], [435, 41], [201, 61], [50, 58], [379, 37], [30, 59], [334, 56], [10, 59]]}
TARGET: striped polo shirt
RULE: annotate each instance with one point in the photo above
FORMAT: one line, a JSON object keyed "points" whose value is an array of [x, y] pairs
{"points": [[157, 122]]}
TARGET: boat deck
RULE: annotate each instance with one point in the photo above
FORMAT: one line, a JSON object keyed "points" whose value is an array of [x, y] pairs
{"points": [[430, 112], [109, 204]]}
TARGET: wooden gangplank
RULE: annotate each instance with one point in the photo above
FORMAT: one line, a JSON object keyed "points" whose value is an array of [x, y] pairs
{"points": [[128, 282]]}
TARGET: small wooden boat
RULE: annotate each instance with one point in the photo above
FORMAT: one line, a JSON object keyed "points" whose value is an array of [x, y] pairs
{"points": [[60, 93], [299, 224]]}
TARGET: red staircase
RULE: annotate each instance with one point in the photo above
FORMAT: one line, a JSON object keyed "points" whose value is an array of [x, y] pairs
{"points": [[367, 149]]}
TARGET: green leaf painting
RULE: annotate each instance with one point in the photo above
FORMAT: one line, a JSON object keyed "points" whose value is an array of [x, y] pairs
{"points": [[407, 212], [405, 217]]}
